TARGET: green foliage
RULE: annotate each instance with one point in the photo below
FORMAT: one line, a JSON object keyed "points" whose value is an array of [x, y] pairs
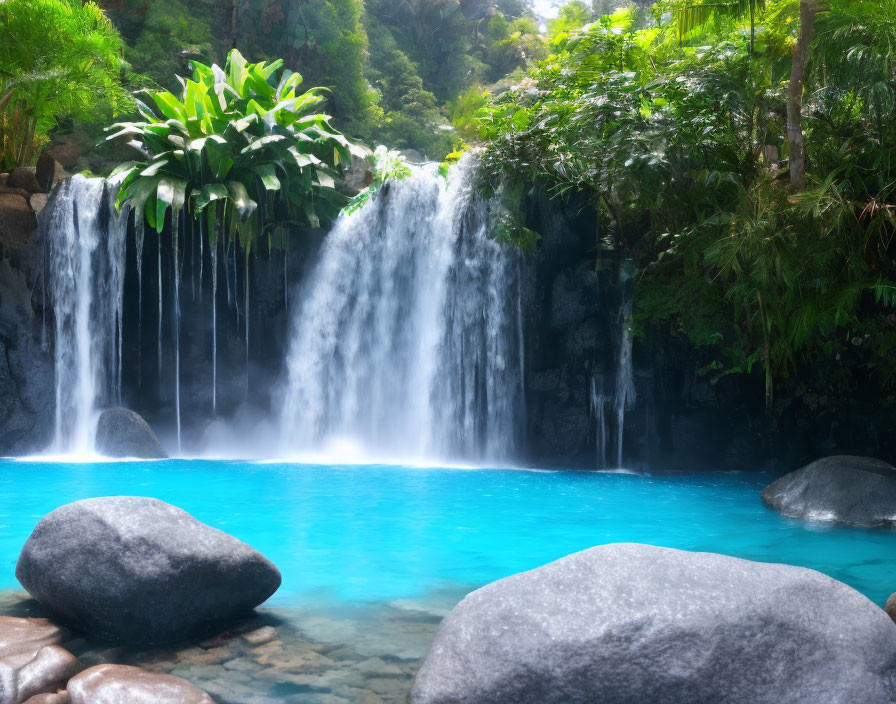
{"points": [[326, 41], [451, 159], [466, 109], [388, 166], [171, 34], [241, 145], [58, 59], [426, 55], [571, 17], [677, 136], [396, 67], [408, 116]]}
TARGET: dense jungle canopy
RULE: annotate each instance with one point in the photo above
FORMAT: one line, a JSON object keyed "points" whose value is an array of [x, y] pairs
{"points": [[741, 154]]}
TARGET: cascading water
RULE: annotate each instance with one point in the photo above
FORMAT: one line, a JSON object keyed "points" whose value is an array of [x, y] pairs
{"points": [[608, 409], [175, 250], [213, 250], [624, 398], [139, 236], [85, 238], [407, 337]]}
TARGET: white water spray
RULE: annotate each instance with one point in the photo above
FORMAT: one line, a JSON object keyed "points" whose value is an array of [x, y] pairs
{"points": [[175, 248], [407, 337], [608, 408], [85, 238]]}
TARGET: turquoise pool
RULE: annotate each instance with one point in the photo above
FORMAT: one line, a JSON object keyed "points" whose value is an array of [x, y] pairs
{"points": [[361, 534]]}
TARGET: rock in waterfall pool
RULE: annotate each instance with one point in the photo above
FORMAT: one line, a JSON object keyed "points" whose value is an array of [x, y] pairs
{"points": [[372, 556]]}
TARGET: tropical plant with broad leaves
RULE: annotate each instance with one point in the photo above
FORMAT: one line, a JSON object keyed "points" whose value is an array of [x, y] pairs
{"points": [[59, 59], [241, 150]]}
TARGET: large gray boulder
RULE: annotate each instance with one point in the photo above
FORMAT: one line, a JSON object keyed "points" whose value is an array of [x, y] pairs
{"points": [[122, 433], [859, 491], [115, 684], [625, 623], [140, 570]]}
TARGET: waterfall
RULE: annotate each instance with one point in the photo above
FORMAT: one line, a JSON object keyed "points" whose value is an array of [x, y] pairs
{"points": [[139, 236], [85, 238], [624, 398], [213, 250], [159, 340], [598, 410], [406, 338], [608, 408], [175, 250], [246, 313]]}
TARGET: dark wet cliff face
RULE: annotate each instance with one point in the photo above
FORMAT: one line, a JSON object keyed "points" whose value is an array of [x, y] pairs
{"points": [[26, 359], [678, 419], [574, 315], [248, 362]]}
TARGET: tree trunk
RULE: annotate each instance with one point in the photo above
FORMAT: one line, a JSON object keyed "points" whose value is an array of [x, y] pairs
{"points": [[808, 10]]}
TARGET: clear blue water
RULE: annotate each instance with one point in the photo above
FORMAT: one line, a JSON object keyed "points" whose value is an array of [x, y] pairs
{"points": [[382, 533]]}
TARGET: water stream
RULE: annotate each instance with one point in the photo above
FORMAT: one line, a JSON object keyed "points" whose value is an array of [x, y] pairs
{"points": [[406, 338], [608, 407], [86, 254]]}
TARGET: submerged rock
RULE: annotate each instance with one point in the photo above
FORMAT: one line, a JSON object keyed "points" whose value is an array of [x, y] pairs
{"points": [[122, 433], [140, 570], [56, 698], [115, 684], [18, 634], [842, 489], [31, 661], [634, 623]]}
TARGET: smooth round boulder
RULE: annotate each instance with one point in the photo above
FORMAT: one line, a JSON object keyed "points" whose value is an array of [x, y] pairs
{"points": [[890, 607], [122, 433], [628, 623], [56, 698], [27, 634], [858, 491], [114, 684], [140, 570], [31, 662], [24, 177], [25, 675]]}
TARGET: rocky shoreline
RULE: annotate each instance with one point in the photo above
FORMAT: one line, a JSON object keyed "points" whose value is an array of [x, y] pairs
{"points": [[268, 658]]}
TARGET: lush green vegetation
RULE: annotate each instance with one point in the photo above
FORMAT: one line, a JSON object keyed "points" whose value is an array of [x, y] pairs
{"points": [[395, 69], [59, 59], [742, 153], [242, 147], [764, 241]]}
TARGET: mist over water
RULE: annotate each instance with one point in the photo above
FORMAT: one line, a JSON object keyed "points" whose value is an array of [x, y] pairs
{"points": [[407, 337]]}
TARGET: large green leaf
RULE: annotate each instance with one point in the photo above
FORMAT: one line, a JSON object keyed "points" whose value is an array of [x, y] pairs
{"points": [[239, 196], [210, 193], [268, 175], [170, 193], [169, 106], [240, 136]]}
